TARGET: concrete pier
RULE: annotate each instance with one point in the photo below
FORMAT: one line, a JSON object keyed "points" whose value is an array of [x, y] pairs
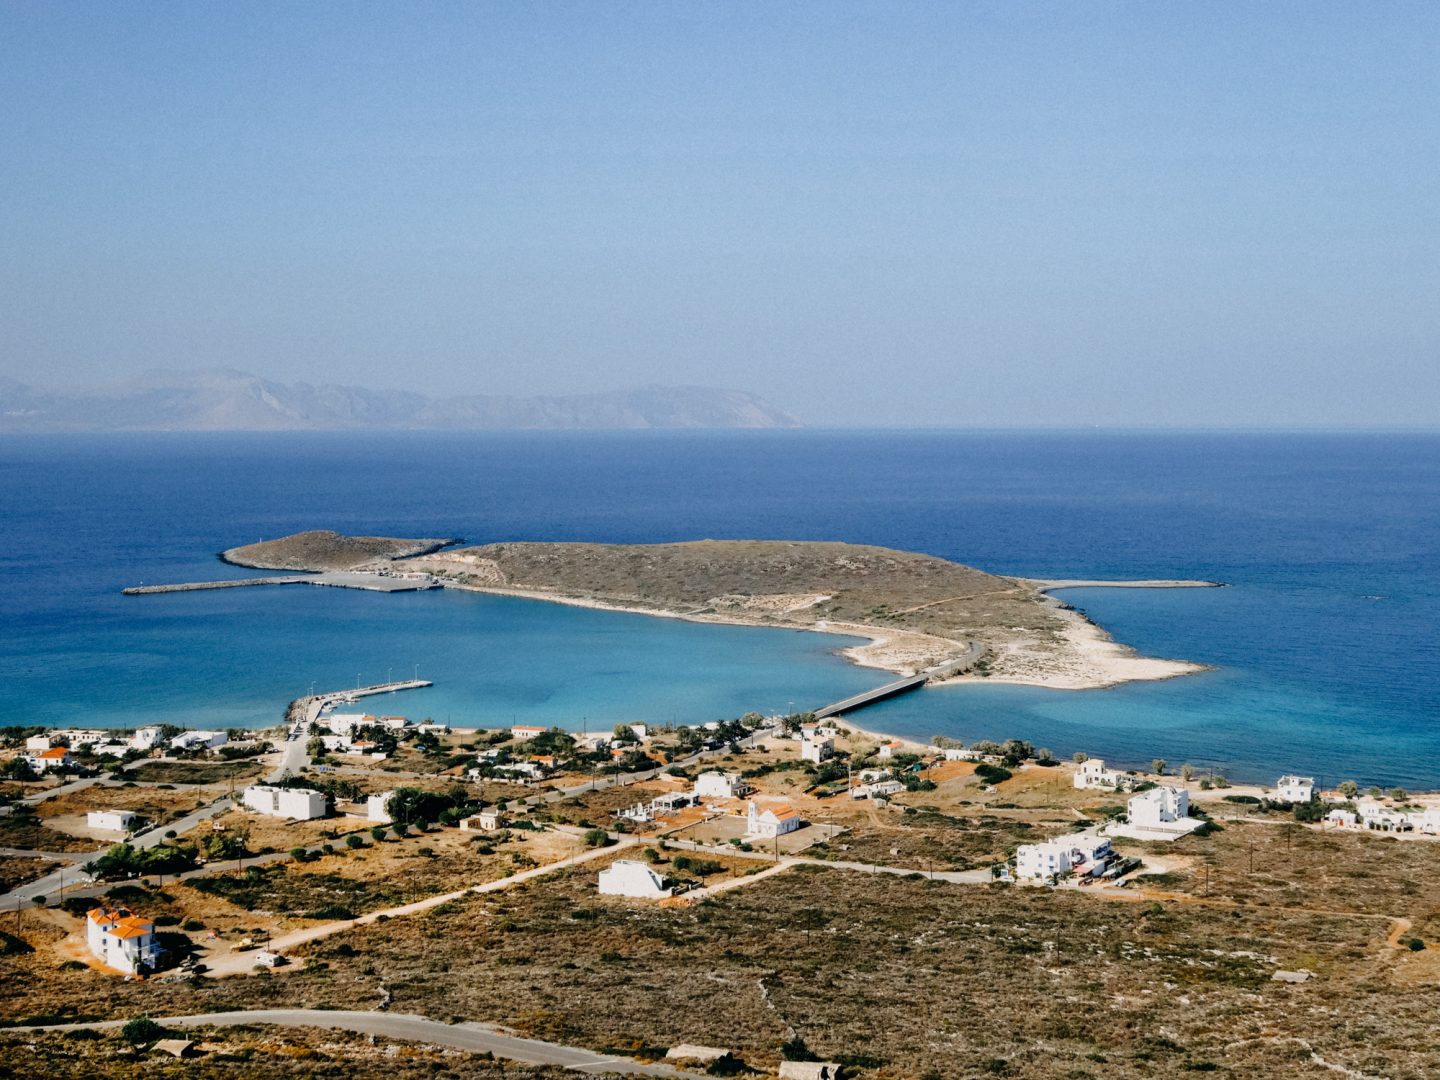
{"points": [[337, 579]]}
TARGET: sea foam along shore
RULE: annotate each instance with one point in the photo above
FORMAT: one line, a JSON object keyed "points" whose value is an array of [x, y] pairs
{"points": [[1086, 658]]}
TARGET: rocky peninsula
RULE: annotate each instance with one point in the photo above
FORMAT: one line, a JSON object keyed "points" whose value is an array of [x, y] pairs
{"points": [[918, 611]]}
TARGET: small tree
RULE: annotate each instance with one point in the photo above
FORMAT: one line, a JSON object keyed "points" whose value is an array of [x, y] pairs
{"points": [[597, 838], [1079, 757], [1375, 793], [1399, 794], [353, 841], [1349, 788], [141, 1031], [1187, 771], [1158, 766], [378, 832]]}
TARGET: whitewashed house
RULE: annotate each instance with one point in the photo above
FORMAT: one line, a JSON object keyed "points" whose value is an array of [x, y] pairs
{"points": [[145, 738], [525, 731], [1092, 773], [640, 731], [199, 740], [817, 750], [889, 749], [720, 785], [626, 877], [56, 757], [121, 940], [877, 790], [1294, 789], [301, 804], [1079, 852], [73, 737], [110, 749], [112, 820], [485, 821], [1162, 813], [1381, 818], [377, 808], [1427, 821], [773, 820], [1342, 819], [38, 744], [344, 723]]}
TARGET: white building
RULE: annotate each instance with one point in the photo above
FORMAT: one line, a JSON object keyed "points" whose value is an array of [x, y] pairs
{"points": [[1342, 819], [1081, 852], [879, 789], [626, 877], [1381, 818], [809, 1070], [345, 723], [74, 737], [485, 821], [526, 731], [113, 820], [377, 808], [720, 785], [301, 804], [869, 776], [640, 731], [773, 820], [432, 729], [57, 757], [121, 940], [817, 750], [145, 738], [1294, 789], [38, 744], [1093, 774], [199, 740], [110, 749], [1427, 820], [1162, 813], [889, 749], [955, 753]]}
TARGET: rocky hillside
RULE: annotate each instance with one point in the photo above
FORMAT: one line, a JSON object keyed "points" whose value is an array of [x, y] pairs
{"points": [[322, 549]]}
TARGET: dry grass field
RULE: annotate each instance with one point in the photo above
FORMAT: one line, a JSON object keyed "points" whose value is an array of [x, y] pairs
{"points": [[24, 831], [16, 870], [195, 772], [153, 803], [901, 978]]}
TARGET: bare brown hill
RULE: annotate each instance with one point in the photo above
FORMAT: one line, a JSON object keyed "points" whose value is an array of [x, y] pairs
{"points": [[325, 549]]}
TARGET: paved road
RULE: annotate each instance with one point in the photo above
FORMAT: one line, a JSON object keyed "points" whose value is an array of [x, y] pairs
{"points": [[478, 1038]]}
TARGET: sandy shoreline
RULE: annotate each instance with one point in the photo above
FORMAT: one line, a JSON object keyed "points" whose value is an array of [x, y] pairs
{"points": [[1086, 657]]}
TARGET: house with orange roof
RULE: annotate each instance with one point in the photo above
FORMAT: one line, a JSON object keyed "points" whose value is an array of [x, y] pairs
{"points": [[121, 940], [56, 757], [525, 731], [773, 820]]}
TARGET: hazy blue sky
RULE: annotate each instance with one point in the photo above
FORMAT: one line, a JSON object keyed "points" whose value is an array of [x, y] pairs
{"points": [[985, 213]]}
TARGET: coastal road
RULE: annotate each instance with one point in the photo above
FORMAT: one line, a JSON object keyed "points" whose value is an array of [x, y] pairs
{"points": [[474, 1037]]}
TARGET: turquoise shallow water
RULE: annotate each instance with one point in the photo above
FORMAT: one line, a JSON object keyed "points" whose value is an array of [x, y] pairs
{"points": [[1324, 645]]}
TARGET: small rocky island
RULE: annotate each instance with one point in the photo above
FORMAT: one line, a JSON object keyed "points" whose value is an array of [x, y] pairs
{"points": [[919, 611]]}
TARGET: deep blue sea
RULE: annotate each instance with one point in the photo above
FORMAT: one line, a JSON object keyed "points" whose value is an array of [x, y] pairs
{"points": [[1324, 644]]}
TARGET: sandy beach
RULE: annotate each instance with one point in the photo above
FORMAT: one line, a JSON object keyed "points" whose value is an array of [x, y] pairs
{"points": [[1083, 656]]}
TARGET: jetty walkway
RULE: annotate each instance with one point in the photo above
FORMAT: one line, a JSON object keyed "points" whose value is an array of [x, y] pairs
{"points": [[900, 686], [337, 579]]}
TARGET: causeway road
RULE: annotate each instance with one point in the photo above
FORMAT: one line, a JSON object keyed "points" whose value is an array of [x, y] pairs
{"points": [[476, 1038]]}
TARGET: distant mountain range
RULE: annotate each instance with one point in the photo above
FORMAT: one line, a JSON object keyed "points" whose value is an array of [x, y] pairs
{"points": [[225, 400]]}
